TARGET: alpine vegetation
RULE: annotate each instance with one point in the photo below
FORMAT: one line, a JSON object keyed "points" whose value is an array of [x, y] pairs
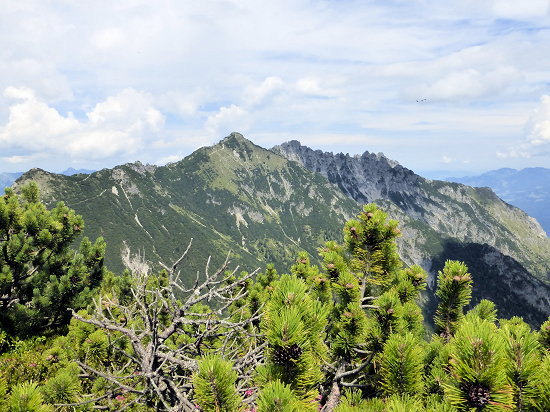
{"points": [[345, 335]]}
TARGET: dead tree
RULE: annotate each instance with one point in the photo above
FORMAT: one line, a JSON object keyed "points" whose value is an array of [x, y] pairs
{"points": [[168, 335]]}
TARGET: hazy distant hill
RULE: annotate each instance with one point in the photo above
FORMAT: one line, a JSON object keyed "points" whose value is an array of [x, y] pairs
{"points": [[528, 189], [7, 179], [70, 171], [266, 207]]}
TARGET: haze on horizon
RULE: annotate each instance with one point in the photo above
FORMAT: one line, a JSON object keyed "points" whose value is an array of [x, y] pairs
{"points": [[457, 86]]}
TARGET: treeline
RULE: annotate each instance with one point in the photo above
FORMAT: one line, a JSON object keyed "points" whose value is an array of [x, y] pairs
{"points": [[346, 336]]}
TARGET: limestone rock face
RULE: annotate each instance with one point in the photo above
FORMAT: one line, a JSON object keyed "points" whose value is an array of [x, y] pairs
{"points": [[460, 212], [507, 251]]}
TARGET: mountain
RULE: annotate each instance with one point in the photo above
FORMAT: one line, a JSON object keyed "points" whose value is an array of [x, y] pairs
{"points": [[506, 250], [233, 196], [7, 179], [266, 206], [453, 210], [528, 189]]}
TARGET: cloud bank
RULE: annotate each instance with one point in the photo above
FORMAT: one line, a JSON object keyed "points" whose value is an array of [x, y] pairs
{"points": [[96, 84]]}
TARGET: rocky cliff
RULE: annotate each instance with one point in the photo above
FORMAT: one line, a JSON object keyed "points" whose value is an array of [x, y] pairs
{"points": [[506, 250], [461, 213]]}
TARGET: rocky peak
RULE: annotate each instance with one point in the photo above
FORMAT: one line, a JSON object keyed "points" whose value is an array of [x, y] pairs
{"points": [[456, 211], [364, 178], [141, 168]]}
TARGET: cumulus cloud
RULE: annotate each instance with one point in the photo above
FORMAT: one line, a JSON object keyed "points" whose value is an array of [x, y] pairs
{"points": [[352, 68], [121, 124], [256, 97], [468, 83], [37, 75], [184, 104], [537, 132], [227, 120], [537, 127]]}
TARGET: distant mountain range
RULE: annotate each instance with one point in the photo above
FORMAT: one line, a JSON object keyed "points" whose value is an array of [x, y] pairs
{"points": [[7, 179], [528, 189], [267, 205], [70, 171]]}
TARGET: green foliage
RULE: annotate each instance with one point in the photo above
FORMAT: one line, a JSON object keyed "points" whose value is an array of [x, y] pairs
{"points": [[371, 243], [24, 361], [278, 397], [403, 403], [454, 288], [294, 323], [64, 387], [544, 335], [401, 366], [40, 276], [215, 385], [351, 401], [26, 397], [523, 366], [343, 336], [484, 310], [477, 378]]}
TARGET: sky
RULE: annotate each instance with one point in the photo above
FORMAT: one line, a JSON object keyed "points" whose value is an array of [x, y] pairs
{"points": [[460, 86]]}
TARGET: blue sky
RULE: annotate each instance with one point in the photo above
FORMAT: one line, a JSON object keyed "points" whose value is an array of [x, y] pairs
{"points": [[96, 84]]}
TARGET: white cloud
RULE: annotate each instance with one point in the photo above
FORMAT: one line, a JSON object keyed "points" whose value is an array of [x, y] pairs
{"points": [[257, 97], [37, 75], [121, 124], [469, 83], [308, 85], [168, 159], [108, 38], [184, 104], [537, 127], [513, 9], [446, 159], [537, 131], [16, 159], [288, 68], [227, 120]]}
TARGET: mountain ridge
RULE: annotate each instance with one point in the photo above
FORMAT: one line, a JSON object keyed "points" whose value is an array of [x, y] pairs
{"points": [[470, 214], [528, 189], [264, 207]]}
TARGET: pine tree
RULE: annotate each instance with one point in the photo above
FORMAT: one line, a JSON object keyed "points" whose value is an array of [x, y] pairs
{"points": [[40, 275], [455, 291], [293, 324], [477, 379], [523, 366], [373, 299], [215, 385]]}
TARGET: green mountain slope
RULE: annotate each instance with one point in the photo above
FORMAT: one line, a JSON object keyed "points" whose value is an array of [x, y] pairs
{"points": [[232, 196], [265, 208]]}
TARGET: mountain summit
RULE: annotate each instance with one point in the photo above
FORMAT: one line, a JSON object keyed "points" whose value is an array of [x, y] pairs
{"points": [[267, 205]]}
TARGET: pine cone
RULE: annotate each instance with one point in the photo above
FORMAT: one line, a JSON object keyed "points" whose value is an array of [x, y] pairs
{"points": [[294, 352], [284, 357], [478, 395], [280, 356]]}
